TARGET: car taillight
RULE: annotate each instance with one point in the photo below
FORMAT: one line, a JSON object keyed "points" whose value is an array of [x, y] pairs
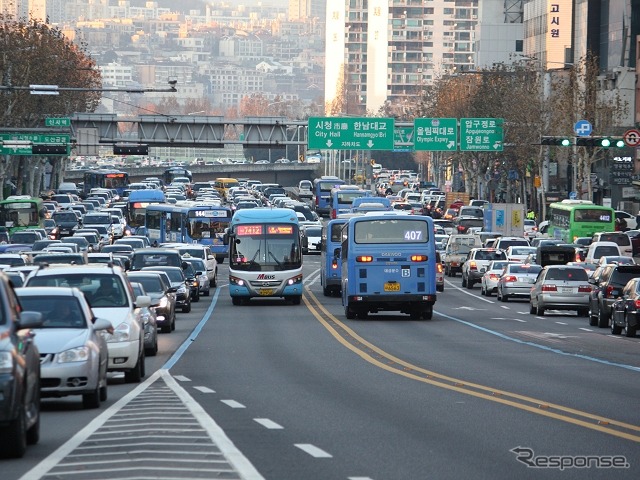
{"points": [[460, 228], [364, 258], [333, 213], [584, 289], [637, 303], [608, 291], [510, 278], [472, 265], [418, 258], [549, 288], [439, 268], [494, 276], [334, 264]]}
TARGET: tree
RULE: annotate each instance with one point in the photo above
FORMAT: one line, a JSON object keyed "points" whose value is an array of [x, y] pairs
{"points": [[33, 53]]}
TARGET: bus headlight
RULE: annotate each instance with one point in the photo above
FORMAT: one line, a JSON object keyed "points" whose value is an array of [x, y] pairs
{"points": [[294, 280], [236, 281]]}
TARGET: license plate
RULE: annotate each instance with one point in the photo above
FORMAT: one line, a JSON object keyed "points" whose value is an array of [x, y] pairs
{"points": [[265, 292], [567, 290], [391, 287]]}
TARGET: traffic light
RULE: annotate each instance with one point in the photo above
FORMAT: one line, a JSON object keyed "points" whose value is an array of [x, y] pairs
{"points": [[49, 149], [558, 141], [602, 142], [131, 149]]}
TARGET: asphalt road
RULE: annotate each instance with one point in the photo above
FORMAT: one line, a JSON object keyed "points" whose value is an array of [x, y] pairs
{"points": [[484, 390]]}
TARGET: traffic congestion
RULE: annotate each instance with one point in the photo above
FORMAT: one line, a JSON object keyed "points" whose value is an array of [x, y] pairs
{"points": [[107, 284]]}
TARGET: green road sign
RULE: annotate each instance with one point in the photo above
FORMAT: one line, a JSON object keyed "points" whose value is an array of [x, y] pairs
{"points": [[7, 148], [481, 134], [338, 133], [435, 134], [57, 122], [402, 136]]}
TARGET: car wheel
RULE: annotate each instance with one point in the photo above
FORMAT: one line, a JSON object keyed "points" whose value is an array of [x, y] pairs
{"points": [[186, 308], [615, 329], [91, 400], [207, 292], [593, 320], [33, 434], [14, 436], [215, 280], [151, 352], [469, 283], [603, 320], [104, 393], [504, 298], [136, 373], [540, 310], [532, 309], [196, 297], [464, 282], [173, 321], [628, 331]]}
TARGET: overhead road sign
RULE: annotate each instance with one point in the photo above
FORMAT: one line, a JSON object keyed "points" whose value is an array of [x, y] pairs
{"points": [[583, 128], [403, 136], [481, 134], [20, 143], [351, 133], [57, 122], [632, 137], [435, 134]]}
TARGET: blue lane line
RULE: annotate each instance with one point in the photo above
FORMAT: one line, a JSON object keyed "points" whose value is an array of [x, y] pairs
{"points": [[196, 331], [541, 347]]}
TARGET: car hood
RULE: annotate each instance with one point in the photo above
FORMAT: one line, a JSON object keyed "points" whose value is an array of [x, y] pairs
{"points": [[54, 340], [116, 315]]}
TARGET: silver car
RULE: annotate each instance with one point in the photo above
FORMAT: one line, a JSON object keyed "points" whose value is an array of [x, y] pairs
{"points": [[516, 280], [560, 287], [73, 353], [490, 276]]}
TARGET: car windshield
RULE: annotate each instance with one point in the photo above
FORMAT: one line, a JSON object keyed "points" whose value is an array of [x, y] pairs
{"points": [[175, 275], [150, 283], [101, 290], [313, 232], [57, 311], [490, 255]]}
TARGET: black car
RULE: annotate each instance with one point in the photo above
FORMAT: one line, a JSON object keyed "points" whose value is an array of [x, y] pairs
{"points": [[607, 284], [163, 297], [625, 311], [179, 282], [67, 222], [19, 375]]}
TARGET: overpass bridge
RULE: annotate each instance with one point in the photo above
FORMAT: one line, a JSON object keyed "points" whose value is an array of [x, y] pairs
{"points": [[286, 174]]}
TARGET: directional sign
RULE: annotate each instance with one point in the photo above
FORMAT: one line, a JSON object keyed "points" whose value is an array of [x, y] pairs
{"points": [[402, 136], [583, 128], [481, 134], [632, 137], [435, 134], [13, 143], [366, 133], [57, 122]]}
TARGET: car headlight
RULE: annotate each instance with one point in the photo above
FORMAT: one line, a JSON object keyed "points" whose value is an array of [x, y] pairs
{"points": [[182, 289], [164, 302], [202, 278], [6, 362], [122, 333], [78, 354]]}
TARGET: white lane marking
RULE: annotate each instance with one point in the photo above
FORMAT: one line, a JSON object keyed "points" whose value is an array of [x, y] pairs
{"points": [[233, 404], [585, 329], [514, 319], [561, 323], [204, 389], [522, 313], [182, 378], [313, 450], [266, 423], [464, 290], [359, 478], [309, 278], [504, 306]]}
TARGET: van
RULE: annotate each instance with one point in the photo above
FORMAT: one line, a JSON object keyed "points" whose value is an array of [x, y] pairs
{"points": [[505, 242], [156, 257], [222, 185], [600, 249]]}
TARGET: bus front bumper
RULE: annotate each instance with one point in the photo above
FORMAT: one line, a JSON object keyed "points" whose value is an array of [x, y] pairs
{"points": [[280, 291]]}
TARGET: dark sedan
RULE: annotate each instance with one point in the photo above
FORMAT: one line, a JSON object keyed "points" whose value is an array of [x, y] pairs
{"points": [[163, 297], [625, 311]]}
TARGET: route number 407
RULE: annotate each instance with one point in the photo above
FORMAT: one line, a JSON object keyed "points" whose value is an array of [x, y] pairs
{"points": [[413, 235]]}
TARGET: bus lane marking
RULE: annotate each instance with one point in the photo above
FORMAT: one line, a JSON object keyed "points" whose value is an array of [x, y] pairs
{"points": [[386, 361]]}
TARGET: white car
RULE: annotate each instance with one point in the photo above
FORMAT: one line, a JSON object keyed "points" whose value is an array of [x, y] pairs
{"points": [[313, 237], [519, 254], [530, 229], [630, 219], [107, 292], [490, 277]]}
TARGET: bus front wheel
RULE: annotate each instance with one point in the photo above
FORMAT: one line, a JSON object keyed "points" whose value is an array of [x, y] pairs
{"points": [[295, 300]]}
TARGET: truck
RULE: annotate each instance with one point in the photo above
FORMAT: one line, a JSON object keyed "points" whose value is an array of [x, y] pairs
{"points": [[506, 218]]}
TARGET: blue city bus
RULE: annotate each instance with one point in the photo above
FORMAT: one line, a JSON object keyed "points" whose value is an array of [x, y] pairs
{"points": [[388, 264], [105, 178], [137, 204], [265, 255], [322, 193], [190, 222], [342, 198], [330, 269]]}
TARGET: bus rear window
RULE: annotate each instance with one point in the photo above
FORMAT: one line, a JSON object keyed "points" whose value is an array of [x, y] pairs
{"points": [[391, 231]]}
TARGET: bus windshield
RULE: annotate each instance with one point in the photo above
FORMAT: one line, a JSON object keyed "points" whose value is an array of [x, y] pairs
{"points": [[259, 247], [391, 231]]}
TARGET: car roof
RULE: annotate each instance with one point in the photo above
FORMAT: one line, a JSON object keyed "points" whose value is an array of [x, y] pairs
{"points": [[49, 291]]}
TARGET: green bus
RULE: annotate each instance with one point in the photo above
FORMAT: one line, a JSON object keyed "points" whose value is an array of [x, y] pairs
{"points": [[570, 219], [19, 212]]}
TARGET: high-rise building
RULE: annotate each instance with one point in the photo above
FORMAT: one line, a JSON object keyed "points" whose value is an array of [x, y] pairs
{"points": [[499, 33], [14, 8], [386, 51], [548, 32]]}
